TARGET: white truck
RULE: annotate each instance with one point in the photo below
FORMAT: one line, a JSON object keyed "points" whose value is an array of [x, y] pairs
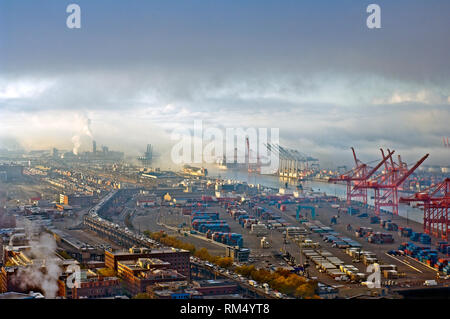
{"points": [[265, 243], [430, 283]]}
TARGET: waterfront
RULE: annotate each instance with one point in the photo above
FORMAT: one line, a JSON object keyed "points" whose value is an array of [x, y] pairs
{"points": [[338, 190]]}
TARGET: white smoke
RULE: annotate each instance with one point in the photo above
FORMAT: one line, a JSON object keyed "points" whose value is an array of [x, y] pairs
{"points": [[76, 144], [45, 269], [84, 125], [87, 127]]}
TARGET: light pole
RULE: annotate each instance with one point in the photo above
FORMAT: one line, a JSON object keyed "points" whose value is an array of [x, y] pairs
{"points": [[407, 216]]}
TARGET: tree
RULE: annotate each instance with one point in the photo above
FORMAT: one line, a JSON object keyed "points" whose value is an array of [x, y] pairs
{"points": [[305, 291], [245, 270], [170, 241], [203, 253], [262, 275], [142, 295], [281, 280], [225, 262]]}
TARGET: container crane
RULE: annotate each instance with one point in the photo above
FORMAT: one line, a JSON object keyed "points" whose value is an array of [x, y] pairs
{"points": [[252, 168], [435, 201], [387, 184], [292, 163], [356, 176]]}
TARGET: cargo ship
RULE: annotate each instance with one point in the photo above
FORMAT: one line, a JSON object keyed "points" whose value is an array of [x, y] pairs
{"points": [[195, 171], [222, 164]]}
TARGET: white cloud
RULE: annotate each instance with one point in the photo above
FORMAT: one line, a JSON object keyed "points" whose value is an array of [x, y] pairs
{"points": [[314, 112], [23, 89], [424, 96]]}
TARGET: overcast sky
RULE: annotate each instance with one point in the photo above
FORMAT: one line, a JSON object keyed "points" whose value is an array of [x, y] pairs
{"points": [[139, 69]]}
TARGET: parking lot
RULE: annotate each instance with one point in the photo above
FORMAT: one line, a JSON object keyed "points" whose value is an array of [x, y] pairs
{"points": [[410, 271], [414, 271]]}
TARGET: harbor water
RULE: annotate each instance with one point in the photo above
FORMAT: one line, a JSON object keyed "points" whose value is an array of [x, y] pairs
{"points": [[331, 189]]}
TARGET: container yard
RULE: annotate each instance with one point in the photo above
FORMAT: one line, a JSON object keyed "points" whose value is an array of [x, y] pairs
{"points": [[366, 244], [316, 235], [227, 150], [230, 239]]}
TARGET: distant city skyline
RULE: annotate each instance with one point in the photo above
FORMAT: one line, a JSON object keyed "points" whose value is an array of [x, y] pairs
{"points": [[136, 70]]}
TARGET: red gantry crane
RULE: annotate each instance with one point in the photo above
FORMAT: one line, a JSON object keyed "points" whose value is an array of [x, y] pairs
{"points": [[392, 170], [356, 176], [387, 184], [446, 143], [436, 202]]}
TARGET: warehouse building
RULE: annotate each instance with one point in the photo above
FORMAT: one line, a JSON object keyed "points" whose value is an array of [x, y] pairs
{"points": [[139, 275], [178, 259]]}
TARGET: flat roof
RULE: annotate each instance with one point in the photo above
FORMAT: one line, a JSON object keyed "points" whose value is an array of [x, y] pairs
{"points": [[215, 283], [232, 296], [152, 261], [150, 251], [16, 295]]}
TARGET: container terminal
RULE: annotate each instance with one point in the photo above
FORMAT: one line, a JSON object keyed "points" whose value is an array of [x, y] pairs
{"points": [[186, 232]]}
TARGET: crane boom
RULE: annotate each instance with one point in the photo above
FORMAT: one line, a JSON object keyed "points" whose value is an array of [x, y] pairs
{"points": [[383, 161], [405, 176]]}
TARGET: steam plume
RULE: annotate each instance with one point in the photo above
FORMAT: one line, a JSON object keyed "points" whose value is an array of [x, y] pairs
{"points": [[84, 129], [43, 275], [76, 144]]}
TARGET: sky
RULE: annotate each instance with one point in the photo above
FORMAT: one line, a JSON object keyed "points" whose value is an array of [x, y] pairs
{"points": [[137, 70]]}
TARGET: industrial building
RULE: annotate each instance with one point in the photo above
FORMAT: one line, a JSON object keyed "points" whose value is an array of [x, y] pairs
{"points": [[177, 258], [91, 285], [238, 254], [215, 287], [147, 159], [198, 289], [11, 172], [16, 260], [76, 200], [140, 274]]}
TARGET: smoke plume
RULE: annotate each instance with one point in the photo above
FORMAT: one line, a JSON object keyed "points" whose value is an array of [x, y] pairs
{"points": [[76, 144], [84, 130], [45, 270]]}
